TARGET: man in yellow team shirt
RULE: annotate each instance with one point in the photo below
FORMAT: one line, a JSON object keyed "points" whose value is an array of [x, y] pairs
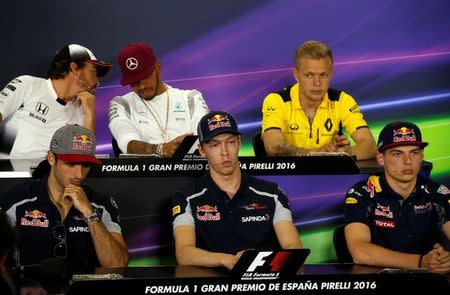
{"points": [[309, 116]]}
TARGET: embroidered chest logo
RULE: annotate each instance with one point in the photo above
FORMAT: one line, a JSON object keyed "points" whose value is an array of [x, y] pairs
{"points": [[384, 211], [384, 223], [294, 126], [207, 213], [328, 125], [38, 219], [256, 218], [254, 206], [41, 108], [419, 209], [179, 107]]}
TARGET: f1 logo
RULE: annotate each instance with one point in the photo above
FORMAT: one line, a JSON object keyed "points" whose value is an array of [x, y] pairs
{"points": [[259, 260]]}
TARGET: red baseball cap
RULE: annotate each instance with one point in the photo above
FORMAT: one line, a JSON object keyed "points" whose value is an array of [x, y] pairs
{"points": [[137, 61]]}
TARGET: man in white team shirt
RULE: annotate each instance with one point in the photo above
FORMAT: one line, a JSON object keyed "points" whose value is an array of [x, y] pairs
{"points": [[155, 117], [33, 108]]}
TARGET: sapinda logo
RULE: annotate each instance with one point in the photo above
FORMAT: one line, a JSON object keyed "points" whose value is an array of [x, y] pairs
{"points": [[276, 263]]}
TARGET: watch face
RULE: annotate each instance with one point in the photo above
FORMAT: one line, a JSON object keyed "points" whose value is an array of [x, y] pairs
{"points": [[94, 217]]}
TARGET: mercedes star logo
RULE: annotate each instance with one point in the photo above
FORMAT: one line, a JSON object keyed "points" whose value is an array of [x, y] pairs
{"points": [[131, 63]]}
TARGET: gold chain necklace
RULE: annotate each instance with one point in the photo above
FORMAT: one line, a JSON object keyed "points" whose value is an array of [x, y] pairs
{"points": [[154, 114]]}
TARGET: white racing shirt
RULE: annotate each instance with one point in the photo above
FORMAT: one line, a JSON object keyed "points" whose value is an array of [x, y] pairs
{"points": [[31, 114], [130, 119]]}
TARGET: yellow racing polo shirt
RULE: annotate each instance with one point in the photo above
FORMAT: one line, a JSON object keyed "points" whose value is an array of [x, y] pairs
{"points": [[282, 110]]}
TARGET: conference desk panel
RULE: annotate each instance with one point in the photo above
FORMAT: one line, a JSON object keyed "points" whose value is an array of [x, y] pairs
{"points": [[311, 279], [143, 188]]}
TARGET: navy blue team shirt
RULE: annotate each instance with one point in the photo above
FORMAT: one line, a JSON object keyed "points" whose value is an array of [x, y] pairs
{"points": [[30, 209], [230, 225], [411, 225]]}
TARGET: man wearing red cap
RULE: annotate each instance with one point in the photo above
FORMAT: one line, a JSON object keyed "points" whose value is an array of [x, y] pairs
{"points": [[153, 118], [60, 217], [398, 219], [33, 108]]}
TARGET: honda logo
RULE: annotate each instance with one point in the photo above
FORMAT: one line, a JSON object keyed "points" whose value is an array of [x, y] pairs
{"points": [[41, 108]]}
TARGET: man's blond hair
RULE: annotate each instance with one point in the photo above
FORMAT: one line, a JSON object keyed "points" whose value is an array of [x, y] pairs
{"points": [[313, 50]]}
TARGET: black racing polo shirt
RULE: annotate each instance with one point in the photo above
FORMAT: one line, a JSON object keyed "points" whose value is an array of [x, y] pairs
{"points": [[29, 208], [410, 225], [230, 225]]}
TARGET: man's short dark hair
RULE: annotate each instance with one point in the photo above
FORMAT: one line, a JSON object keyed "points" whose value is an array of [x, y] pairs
{"points": [[60, 65]]}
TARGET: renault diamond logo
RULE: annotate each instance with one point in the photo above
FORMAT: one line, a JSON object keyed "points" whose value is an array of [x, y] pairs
{"points": [[41, 108], [131, 63]]}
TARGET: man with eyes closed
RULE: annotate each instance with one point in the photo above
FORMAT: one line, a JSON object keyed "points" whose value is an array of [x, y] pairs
{"points": [[154, 117], [225, 212], [59, 216], [309, 117], [399, 218]]}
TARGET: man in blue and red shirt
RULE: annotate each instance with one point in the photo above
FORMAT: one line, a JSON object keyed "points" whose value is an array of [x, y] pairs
{"points": [[59, 216], [398, 219], [218, 216]]}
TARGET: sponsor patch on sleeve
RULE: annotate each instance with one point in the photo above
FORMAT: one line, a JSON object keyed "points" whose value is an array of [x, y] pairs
{"points": [[351, 200], [442, 189], [176, 209]]}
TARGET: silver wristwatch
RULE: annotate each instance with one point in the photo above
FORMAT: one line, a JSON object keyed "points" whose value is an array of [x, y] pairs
{"points": [[93, 217]]}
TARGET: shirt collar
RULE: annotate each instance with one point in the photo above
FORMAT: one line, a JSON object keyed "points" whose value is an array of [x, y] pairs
{"points": [[294, 93]]}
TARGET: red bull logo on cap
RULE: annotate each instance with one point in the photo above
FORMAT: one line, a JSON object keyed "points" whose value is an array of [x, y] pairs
{"points": [[82, 143], [404, 134], [218, 121], [83, 139]]}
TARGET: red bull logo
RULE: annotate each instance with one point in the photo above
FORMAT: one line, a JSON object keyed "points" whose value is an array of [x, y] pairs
{"points": [[383, 208], [373, 185], [207, 213], [35, 214], [218, 121], [404, 134], [83, 139], [206, 208]]}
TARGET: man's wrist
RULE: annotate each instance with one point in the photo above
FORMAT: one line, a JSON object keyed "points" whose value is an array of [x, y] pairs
{"points": [[95, 216], [419, 264]]}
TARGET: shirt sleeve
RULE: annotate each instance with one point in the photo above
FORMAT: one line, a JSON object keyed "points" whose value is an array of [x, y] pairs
{"points": [[282, 210], [197, 108], [14, 95], [350, 114], [273, 113], [181, 210], [120, 124], [110, 215], [357, 206]]}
